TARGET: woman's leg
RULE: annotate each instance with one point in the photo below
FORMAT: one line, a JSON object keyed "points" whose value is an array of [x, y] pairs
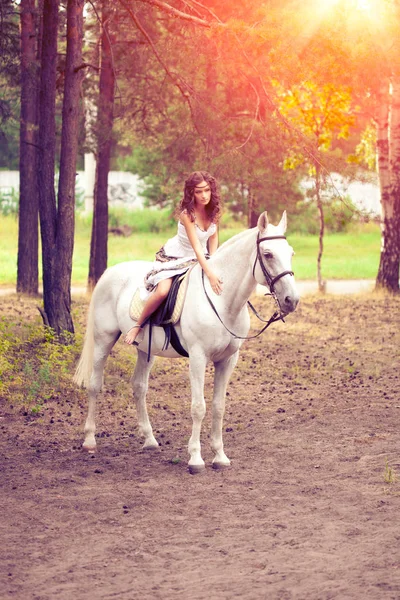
{"points": [[152, 303]]}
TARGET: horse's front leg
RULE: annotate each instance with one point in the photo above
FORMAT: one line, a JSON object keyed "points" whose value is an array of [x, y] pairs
{"points": [[197, 367], [223, 371], [102, 349], [140, 384]]}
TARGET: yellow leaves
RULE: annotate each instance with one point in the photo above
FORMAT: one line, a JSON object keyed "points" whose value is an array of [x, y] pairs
{"points": [[320, 112]]}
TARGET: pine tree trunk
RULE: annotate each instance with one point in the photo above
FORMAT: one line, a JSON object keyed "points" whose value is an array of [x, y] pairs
{"points": [[389, 176], [28, 230], [57, 224], [252, 215], [64, 243], [105, 119], [47, 146]]}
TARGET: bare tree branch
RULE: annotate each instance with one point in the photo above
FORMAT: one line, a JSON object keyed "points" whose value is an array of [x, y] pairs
{"points": [[165, 7], [206, 9]]}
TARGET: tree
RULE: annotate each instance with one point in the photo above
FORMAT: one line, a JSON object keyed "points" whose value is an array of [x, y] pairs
{"points": [[320, 112], [9, 82], [388, 152], [211, 110], [57, 220], [104, 135], [28, 223], [375, 48]]}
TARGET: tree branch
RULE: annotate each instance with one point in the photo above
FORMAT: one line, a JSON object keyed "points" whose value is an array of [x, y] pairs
{"points": [[205, 8], [254, 118], [85, 65], [173, 78], [165, 7]]}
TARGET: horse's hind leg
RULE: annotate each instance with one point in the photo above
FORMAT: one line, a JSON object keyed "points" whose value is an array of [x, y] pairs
{"points": [[140, 384], [223, 371], [101, 351]]}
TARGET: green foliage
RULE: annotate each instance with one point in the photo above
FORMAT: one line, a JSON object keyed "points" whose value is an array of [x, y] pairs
{"points": [[34, 366], [9, 201], [389, 476], [338, 213], [142, 220], [36, 370], [162, 169], [366, 149], [9, 75]]}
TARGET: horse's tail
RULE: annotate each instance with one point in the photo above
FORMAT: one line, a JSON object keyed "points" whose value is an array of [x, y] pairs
{"points": [[85, 365]]}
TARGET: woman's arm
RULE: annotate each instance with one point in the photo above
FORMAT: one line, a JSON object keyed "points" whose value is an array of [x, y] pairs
{"points": [[190, 228], [213, 242]]}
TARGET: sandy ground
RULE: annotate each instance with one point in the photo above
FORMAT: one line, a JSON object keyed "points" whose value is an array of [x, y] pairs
{"points": [[308, 510]]}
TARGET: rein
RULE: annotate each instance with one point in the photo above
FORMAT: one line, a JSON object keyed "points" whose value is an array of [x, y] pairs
{"points": [[271, 281]]}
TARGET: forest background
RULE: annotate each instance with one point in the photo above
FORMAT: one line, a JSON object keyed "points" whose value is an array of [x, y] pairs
{"points": [[261, 94]]}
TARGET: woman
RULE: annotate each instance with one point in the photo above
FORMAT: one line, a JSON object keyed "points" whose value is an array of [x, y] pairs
{"points": [[197, 237]]}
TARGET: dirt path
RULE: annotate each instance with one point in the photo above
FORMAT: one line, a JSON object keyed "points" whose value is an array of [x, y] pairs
{"points": [[312, 428]]}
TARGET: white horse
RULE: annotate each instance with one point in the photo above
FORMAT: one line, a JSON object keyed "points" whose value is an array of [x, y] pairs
{"points": [[211, 327]]}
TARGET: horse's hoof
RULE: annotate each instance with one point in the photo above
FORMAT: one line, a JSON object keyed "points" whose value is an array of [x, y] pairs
{"points": [[150, 447], [89, 449], [196, 469], [220, 466]]}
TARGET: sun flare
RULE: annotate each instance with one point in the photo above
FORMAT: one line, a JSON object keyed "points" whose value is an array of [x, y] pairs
{"points": [[364, 5], [357, 10]]}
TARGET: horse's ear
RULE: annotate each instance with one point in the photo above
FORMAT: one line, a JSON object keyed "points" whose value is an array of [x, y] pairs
{"points": [[283, 222], [262, 221]]}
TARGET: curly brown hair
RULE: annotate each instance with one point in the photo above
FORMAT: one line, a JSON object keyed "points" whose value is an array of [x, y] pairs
{"points": [[213, 208]]}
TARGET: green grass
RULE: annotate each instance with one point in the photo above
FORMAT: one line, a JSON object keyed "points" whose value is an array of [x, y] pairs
{"points": [[353, 255], [346, 255]]}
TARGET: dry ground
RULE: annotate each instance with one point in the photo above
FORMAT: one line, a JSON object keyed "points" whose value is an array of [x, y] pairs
{"points": [[309, 509]]}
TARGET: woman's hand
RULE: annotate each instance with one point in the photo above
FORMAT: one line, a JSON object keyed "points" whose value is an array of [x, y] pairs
{"points": [[215, 281]]}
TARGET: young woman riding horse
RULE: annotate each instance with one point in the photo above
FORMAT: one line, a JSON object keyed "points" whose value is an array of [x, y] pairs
{"points": [[197, 238]]}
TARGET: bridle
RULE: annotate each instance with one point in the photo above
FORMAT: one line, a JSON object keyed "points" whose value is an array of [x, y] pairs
{"points": [[271, 281]]}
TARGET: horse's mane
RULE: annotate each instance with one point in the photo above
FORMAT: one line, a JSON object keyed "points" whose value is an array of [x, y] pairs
{"points": [[234, 239]]}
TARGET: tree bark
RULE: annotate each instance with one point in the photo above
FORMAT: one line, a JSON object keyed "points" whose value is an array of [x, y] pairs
{"points": [[64, 242], [252, 215], [388, 145], [105, 119], [57, 223], [47, 146], [28, 222]]}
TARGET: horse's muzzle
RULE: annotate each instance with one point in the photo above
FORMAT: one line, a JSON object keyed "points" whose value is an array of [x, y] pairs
{"points": [[289, 303]]}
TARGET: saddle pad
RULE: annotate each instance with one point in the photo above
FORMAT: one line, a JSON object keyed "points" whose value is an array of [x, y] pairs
{"points": [[137, 303]]}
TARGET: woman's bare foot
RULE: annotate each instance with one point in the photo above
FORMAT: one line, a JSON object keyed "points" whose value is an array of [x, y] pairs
{"points": [[132, 334]]}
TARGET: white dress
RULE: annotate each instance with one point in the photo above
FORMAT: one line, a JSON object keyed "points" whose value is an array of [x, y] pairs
{"points": [[177, 255]]}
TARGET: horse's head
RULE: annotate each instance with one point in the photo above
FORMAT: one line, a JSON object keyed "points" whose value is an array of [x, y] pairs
{"points": [[273, 265]]}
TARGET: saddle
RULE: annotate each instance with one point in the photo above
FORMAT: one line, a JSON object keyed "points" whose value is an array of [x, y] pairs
{"points": [[167, 314]]}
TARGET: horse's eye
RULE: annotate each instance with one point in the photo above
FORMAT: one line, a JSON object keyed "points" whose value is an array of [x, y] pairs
{"points": [[268, 254]]}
